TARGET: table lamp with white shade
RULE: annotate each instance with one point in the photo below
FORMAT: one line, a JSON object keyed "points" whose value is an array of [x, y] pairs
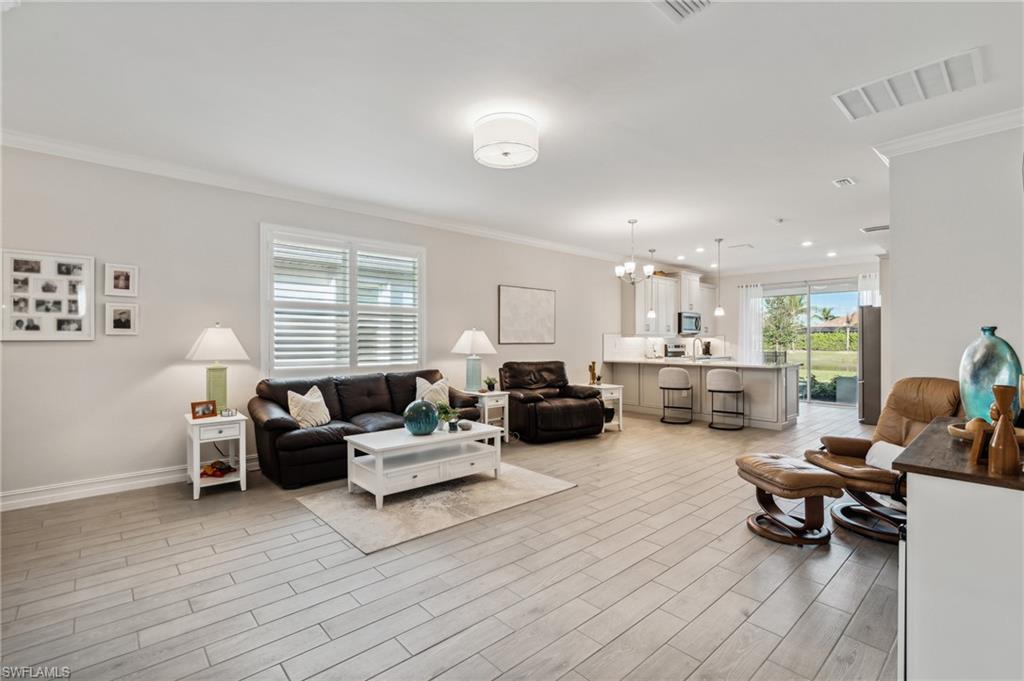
{"points": [[474, 343], [217, 344]]}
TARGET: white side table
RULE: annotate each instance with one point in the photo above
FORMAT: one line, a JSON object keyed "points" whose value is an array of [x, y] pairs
{"points": [[493, 399], [230, 429], [612, 394]]}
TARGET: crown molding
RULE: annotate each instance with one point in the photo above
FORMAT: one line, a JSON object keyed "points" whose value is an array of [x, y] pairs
{"points": [[976, 127], [151, 166]]}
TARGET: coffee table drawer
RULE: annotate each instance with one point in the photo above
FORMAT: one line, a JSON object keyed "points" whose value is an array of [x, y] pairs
{"points": [[408, 478], [229, 430], [470, 465]]}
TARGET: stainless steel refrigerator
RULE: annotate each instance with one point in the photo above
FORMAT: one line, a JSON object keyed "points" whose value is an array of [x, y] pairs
{"points": [[869, 364]]}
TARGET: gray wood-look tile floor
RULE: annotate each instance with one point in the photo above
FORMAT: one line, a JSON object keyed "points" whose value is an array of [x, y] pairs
{"points": [[645, 571]]}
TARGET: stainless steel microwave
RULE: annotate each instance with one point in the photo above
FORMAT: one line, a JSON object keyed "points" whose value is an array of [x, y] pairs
{"points": [[689, 323]]}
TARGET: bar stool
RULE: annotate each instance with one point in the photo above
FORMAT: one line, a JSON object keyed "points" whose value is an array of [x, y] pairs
{"points": [[674, 380], [727, 382]]}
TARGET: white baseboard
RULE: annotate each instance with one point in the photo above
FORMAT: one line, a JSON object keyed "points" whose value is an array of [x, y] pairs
{"points": [[91, 487]]}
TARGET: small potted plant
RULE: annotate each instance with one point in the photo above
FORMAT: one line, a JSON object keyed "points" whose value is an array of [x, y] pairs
{"points": [[446, 414], [490, 382]]}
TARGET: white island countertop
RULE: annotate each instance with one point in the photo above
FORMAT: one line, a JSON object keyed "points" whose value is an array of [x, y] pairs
{"points": [[713, 363]]}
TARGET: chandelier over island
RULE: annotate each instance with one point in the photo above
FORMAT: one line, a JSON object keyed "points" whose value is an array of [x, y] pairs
{"points": [[627, 270]]}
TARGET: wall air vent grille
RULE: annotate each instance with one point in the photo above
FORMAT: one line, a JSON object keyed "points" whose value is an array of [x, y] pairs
{"points": [[953, 74], [843, 182], [677, 10]]}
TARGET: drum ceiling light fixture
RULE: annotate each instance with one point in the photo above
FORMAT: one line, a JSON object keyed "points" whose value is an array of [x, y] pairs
{"points": [[505, 140]]}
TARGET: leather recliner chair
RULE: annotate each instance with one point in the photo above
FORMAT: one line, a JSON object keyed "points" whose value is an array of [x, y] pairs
{"points": [[544, 407], [911, 406]]}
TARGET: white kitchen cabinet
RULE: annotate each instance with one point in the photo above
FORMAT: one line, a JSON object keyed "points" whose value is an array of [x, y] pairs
{"points": [[660, 295], [706, 296], [689, 292]]}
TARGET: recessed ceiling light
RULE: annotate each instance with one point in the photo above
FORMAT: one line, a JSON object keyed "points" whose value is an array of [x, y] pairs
{"points": [[805, 244], [831, 254], [700, 249], [680, 257], [714, 265]]}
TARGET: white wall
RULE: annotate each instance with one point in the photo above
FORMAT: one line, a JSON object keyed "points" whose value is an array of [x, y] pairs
{"points": [[955, 251], [77, 410], [729, 325]]}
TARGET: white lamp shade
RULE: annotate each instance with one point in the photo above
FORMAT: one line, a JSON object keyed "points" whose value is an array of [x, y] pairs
{"points": [[719, 311], [506, 140], [648, 270], [630, 267], [217, 344], [474, 342]]}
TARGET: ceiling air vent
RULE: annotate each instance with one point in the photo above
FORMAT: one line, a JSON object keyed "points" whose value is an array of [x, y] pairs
{"points": [[741, 246], [929, 81], [843, 182], [876, 228], [677, 10]]}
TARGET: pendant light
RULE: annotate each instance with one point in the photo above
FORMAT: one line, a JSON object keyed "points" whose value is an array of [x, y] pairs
{"points": [[719, 310], [649, 272]]}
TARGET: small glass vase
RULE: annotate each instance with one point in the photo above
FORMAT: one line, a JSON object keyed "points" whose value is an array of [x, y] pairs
{"points": [[988, 361]]}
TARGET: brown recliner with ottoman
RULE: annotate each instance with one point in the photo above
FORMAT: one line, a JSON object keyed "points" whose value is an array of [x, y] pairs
{"points": [[784, 476], [292, 456], [544, 407], [911, 406]]}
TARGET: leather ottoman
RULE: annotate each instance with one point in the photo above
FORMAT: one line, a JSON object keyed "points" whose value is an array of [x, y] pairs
{"points": [[789, 478]]}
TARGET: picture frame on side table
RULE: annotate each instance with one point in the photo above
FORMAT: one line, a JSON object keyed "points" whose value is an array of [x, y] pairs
{"points": [[526, 316], [121, 280], [47, 296], [206, 409], [122, 319]]}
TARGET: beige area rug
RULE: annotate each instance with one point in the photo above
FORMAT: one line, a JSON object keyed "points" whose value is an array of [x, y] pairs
{"points": [[412, 514]]}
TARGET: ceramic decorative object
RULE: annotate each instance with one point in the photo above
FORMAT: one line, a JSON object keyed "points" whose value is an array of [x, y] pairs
{"points": [[986, 362], [420, 417], [1003, 450], [453, 426]]}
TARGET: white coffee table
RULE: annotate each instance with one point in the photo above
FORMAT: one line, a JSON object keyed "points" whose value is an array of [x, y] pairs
{"points": [[393, 461]]}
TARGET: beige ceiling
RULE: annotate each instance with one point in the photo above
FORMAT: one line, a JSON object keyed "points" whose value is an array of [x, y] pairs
{"points": [[712, 126]]}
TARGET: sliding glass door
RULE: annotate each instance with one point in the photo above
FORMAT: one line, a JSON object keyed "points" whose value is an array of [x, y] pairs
{"points": [[815, 324]]}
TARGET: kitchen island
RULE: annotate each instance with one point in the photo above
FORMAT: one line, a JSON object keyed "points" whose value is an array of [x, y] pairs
{"points": [[771, 390]]}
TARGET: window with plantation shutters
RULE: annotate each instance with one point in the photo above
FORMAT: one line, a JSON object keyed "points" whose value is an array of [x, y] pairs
{"points": [[334, 303]]}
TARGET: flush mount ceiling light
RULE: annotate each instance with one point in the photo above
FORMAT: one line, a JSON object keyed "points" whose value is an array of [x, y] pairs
{"points": [[506, 140]]}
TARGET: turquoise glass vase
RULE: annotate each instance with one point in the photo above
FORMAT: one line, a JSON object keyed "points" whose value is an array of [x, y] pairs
{"points": [[420, 417], [987, 361]]}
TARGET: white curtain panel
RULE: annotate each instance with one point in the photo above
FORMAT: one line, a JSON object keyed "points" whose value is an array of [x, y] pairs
{"points": [[867, 290], [751, 323]]}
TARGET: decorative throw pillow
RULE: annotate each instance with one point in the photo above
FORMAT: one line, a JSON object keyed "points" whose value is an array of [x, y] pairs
{"points": [[882, 454], [309, 409], [432, 392]]}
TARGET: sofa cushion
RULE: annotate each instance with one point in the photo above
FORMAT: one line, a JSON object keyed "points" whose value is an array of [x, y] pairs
{"points": [[296, 459], [361, 394], [566, 413], [373, 421], [402, 386], [309, 409], [276, 390], [533, 375], [434, 393], [303, 438]]}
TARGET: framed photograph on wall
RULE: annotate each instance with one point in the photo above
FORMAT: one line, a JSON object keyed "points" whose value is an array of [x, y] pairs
{"points": [[525, 315], [47, 296], [121, 280], [122, 319]]}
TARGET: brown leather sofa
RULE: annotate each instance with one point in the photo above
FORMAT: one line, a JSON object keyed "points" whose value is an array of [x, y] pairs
{"points": [[292, 456], [911, 406], [544, 407]]}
